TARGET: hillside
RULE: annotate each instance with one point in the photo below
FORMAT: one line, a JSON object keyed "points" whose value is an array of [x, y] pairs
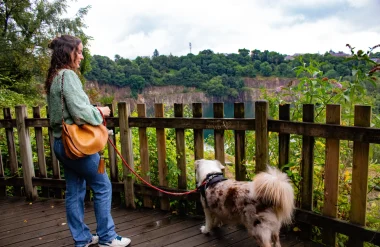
{"points": [[186, 95]]}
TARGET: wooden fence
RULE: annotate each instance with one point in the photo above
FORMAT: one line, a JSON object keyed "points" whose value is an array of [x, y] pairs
{"points": [[361, 134]]}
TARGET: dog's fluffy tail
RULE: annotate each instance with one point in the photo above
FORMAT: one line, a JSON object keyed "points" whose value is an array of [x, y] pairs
{"points": [[273, 188]]}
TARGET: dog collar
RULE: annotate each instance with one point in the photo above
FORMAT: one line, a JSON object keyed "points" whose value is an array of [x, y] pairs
{"points": [[211, 178]]}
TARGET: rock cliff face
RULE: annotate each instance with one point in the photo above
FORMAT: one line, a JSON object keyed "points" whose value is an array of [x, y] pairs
{"points": [[179, 94]]}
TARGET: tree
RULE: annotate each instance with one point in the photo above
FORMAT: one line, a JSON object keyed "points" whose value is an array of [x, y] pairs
{"points": [[136, 82], [26, 27], [265, 69], [155, 53], [243, 52]]}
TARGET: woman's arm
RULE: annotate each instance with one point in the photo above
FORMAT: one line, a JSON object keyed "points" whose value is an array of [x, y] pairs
{"points": [[77, 101]]}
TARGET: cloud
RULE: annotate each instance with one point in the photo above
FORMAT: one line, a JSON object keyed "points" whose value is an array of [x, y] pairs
{"points": [[136, 28]]}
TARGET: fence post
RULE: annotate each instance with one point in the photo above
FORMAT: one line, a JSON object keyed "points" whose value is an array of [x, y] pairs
{"points": [[127, 153], [198, 144], [25, 152], [112, 158], [330, 203], [161, 156], [307, 168], [240, 158], [180, 146], [198, 133], [360, 173], [261, 133], [54, 161], [181, 157], [144, 154], [12, 154], [40, 151], [219, 134], [3, 191], [283, 139]]}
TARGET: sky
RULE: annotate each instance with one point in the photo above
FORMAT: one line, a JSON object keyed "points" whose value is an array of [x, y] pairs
{"points": [[132, 28]]}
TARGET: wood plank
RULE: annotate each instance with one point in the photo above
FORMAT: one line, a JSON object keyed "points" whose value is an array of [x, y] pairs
{"points": [[261, 133], [198, 133], [284, 139], [161, 155], [12, 154], [51, 235], [144, 154], [219, 134], [180, 149], [54, 161], [144, 227], [360, 165], [127, 153], [194, 123], [227, 240], [181, 158], [3, 190], [340, 226], [330, 204], [307, 168], [40, 151], [363, 134], [176, 234], [25, 152], [218, 234], [124, 228], [7, 123], [198, 145], [112, 157], [240, 156]]}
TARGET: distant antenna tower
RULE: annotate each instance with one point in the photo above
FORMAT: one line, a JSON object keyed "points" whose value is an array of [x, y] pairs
{"points": [[190, 46]]}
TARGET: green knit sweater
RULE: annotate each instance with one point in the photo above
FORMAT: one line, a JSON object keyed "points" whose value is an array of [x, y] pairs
{"points": [[77, 106]]}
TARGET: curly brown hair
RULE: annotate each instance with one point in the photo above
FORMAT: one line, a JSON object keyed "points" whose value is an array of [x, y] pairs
{"points": [[61, 58]]}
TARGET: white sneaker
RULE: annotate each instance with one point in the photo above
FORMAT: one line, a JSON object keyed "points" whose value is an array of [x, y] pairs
{"points": [[94, 240], [117, 242]]}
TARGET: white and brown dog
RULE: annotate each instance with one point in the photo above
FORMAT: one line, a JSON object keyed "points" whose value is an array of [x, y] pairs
{"points": [[262, 206]]}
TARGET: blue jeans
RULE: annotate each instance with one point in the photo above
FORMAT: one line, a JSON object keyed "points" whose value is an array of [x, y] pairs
{"points": [[77, 174]]}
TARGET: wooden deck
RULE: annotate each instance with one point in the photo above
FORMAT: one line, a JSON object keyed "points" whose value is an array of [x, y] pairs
{"points": [[43, 223]]}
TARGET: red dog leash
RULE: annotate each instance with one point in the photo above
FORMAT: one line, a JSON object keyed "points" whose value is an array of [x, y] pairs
{"points": [[145, 182], [137, 175]]}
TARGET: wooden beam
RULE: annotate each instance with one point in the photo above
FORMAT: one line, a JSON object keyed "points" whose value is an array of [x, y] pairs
{"points": [[127, 153], [219, 134], [261, 133], [340, 226], [25, 152], [240, 157], [360, 163], [330, 204], [144, 154], [284, 139]]}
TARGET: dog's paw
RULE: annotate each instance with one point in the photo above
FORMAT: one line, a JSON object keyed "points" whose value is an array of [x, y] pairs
{"points": [[204, 230]]}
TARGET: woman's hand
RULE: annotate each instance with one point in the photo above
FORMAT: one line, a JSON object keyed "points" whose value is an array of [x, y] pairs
{"points": [[105, 111]]}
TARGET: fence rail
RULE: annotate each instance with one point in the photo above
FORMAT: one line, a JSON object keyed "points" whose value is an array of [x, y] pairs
{"points": [[18, 152]]}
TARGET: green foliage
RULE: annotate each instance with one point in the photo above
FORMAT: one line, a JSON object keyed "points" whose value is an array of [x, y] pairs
{"points": [[199, 70], [313, 86], [26, 27]]}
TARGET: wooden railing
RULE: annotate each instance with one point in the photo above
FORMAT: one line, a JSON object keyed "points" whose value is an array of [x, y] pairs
{"points": [[361, 134]]}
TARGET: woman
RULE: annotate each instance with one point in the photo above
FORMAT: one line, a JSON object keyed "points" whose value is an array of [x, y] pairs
{"points": [[66, 58]]}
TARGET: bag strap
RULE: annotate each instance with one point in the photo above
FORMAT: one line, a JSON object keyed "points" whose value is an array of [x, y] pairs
{"points": [[62, 95]]}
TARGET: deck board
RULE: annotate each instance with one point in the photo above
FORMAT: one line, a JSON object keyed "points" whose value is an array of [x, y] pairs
{"points": [[43, 223]]}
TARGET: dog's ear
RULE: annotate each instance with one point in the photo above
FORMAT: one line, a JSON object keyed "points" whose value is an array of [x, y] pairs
{"points": [[196, 164], [219, 164]]}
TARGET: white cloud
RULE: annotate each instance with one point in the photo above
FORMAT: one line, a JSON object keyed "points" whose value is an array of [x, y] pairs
{"points": [[132, 28]]}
